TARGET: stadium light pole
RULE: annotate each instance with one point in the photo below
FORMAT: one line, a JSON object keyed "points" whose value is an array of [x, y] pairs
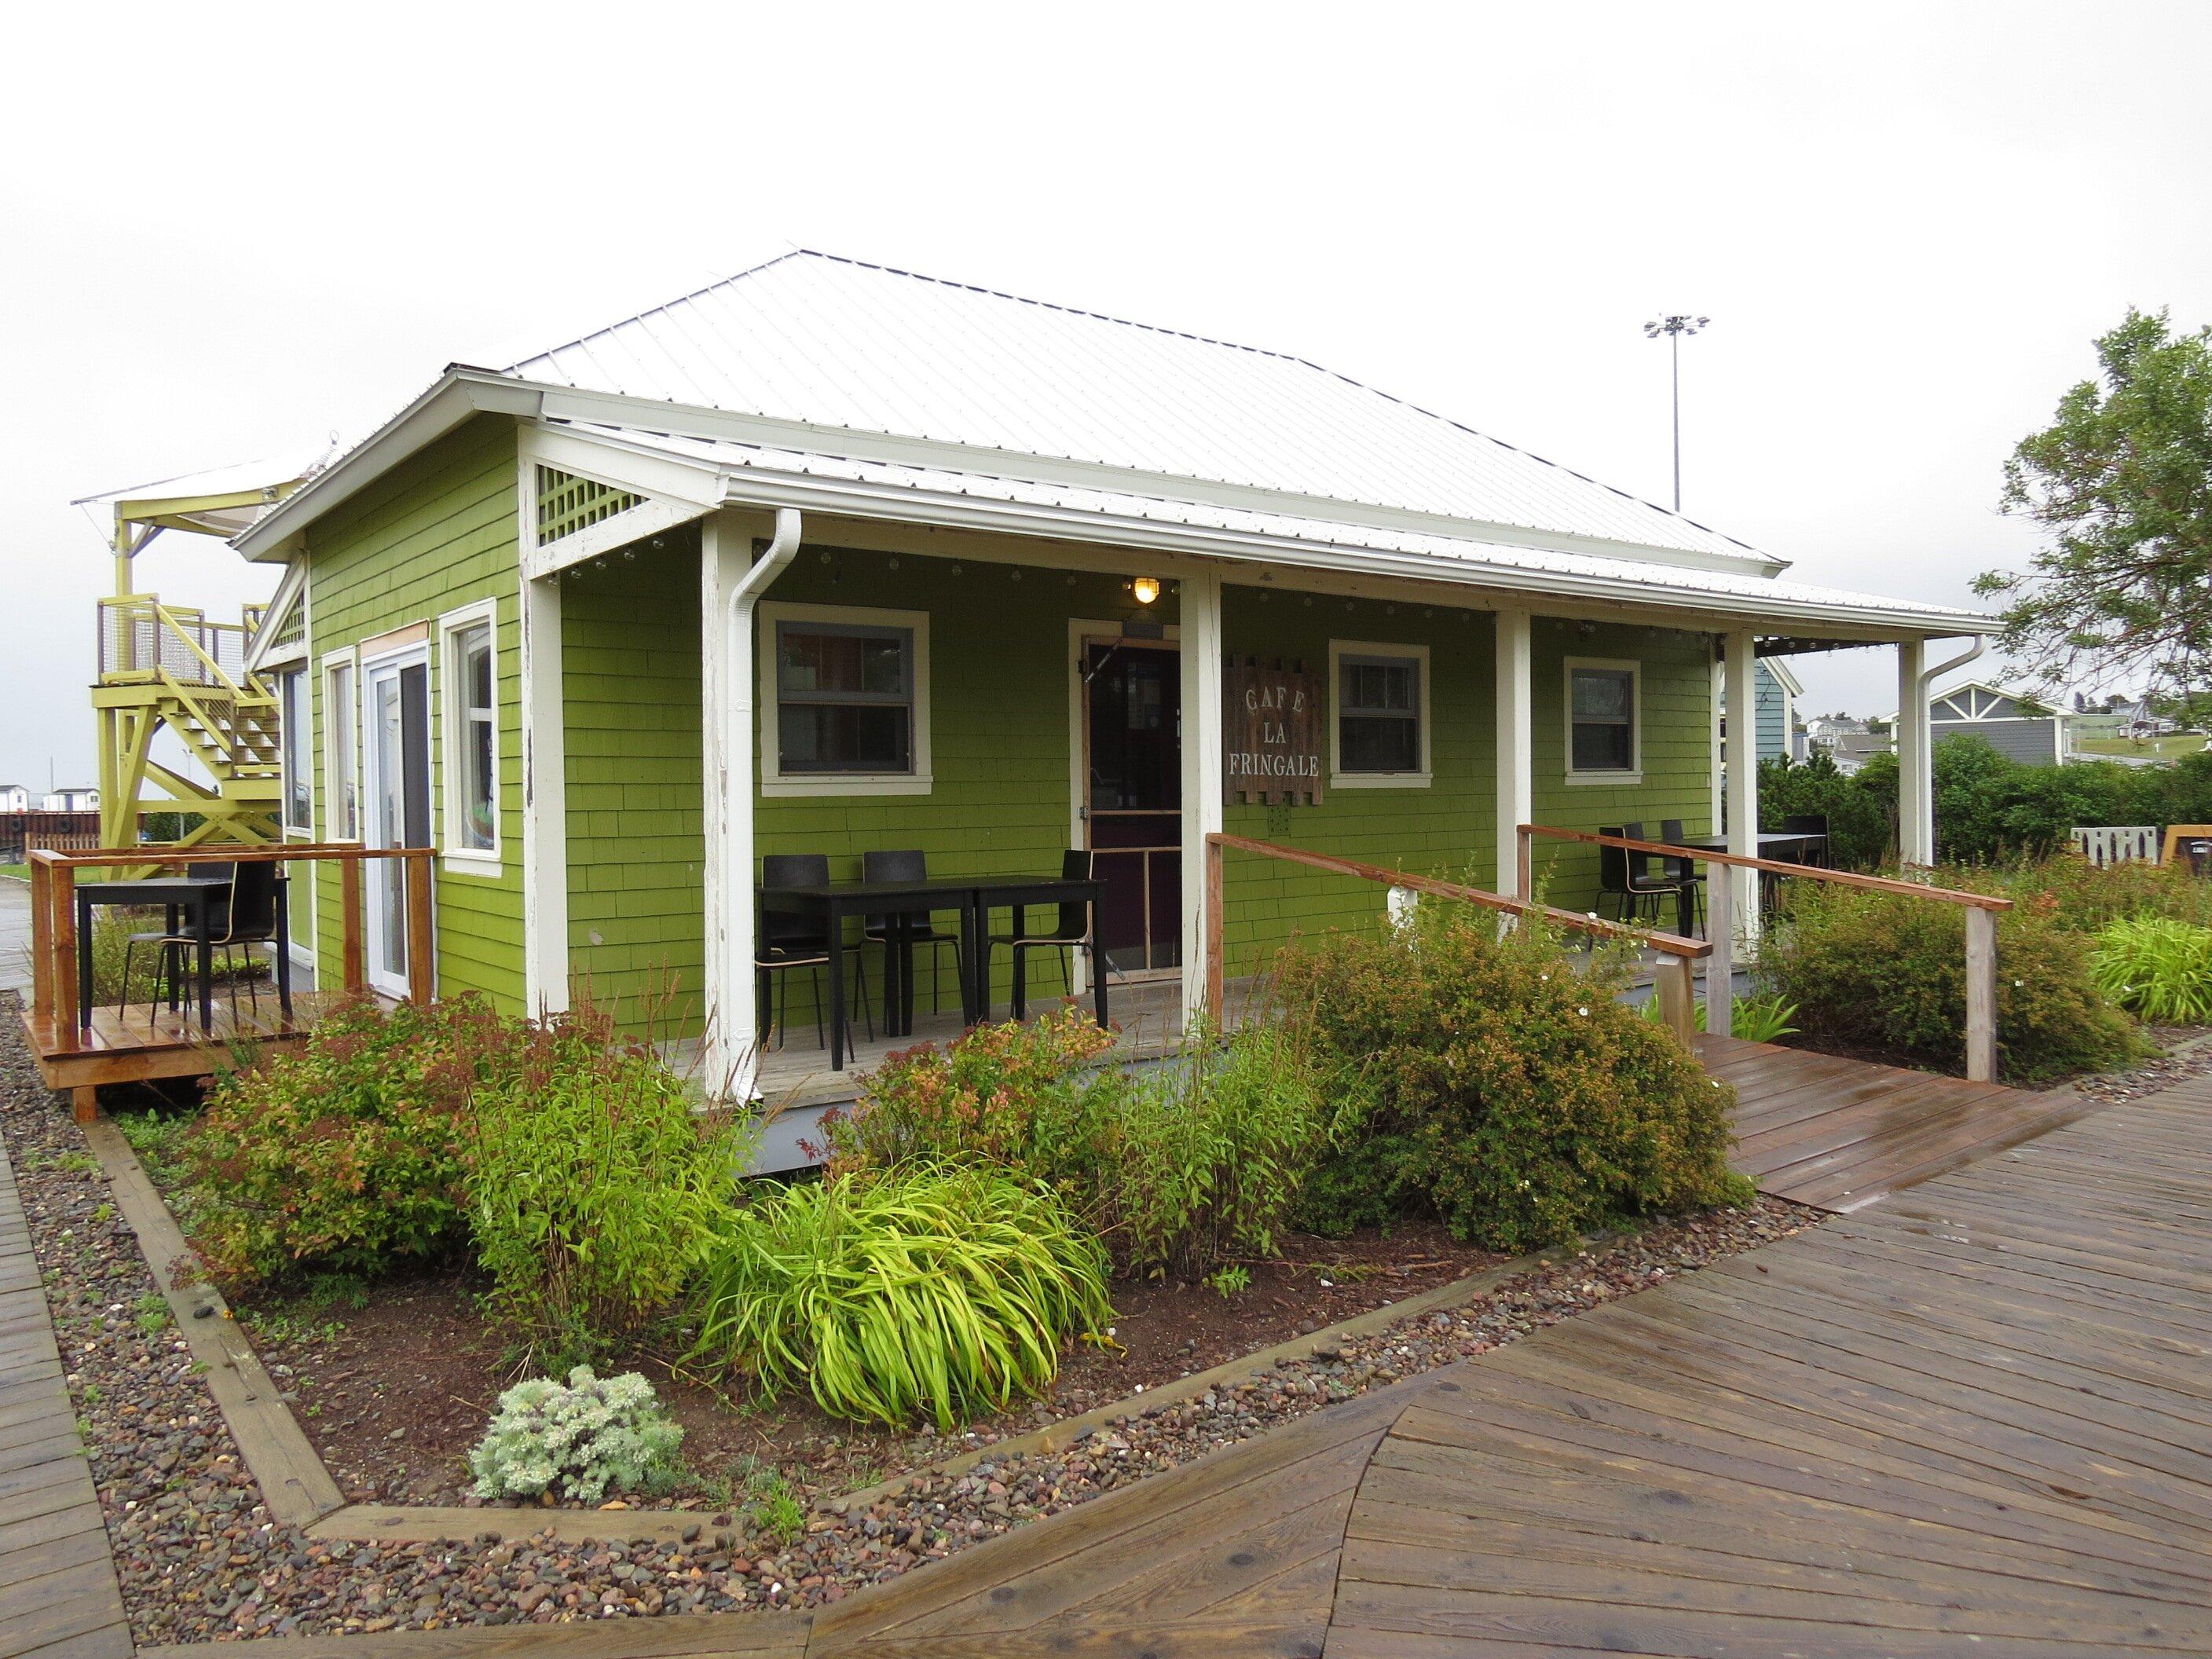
{"points": [[1673, 328]]}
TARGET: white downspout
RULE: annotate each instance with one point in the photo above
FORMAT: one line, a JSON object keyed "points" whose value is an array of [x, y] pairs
{"points": [[1920, 791], [740, 1018]]}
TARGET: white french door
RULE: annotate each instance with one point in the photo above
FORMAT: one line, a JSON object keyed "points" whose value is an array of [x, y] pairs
{"points": [[395, 728]]}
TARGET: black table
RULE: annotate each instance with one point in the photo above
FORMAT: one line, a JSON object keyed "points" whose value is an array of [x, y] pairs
{"points": [[902, 905], [1772, 844], [196, 894]]}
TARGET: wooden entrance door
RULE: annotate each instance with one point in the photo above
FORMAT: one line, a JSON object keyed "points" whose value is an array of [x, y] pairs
{"points": [[1133, 800]]}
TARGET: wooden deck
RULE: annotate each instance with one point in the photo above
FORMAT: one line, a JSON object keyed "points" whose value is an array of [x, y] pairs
{"points": [[1974, 1420], [1840, 1134], [59, 1597], [137, 1043]]}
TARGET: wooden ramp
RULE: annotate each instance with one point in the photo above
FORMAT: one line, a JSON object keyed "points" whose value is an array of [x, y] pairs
{"points": [[1974, 1420], [1840, 1134]]}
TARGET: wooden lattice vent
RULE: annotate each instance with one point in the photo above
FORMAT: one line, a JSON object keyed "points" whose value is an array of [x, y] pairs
{"points": [[567, 503]]}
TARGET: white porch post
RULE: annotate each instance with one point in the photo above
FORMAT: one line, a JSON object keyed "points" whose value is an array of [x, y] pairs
{"points": [[1743, 778], [1202, 742], [1516, 794], [544, 802], [1916, 799], [726, 554]]}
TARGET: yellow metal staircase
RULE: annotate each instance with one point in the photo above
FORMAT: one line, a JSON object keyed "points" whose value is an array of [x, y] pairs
{"points": [[164, 668]]}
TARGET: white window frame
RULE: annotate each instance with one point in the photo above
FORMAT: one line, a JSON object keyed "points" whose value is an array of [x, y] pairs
{"points": [[773, 780], [287, 755], [1634, 670], [336, 710], [1338, 777], [453, 748]]}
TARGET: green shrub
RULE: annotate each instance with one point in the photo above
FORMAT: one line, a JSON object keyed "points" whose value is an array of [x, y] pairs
{"points": [[1503, 1087], [348, 1154], [923, 1291], [582, 1441], [1013, 1094], [2157, 968], [1860, 809], [594, 1189], [2079, 896], [1205, 1154], [1887, 972], [1198, 1159]]}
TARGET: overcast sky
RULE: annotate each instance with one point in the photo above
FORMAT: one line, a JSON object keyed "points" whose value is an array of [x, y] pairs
{"points": [[232, 232]]}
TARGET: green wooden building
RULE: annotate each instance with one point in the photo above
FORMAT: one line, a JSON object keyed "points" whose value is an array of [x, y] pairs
{"points": [[830, 558]]}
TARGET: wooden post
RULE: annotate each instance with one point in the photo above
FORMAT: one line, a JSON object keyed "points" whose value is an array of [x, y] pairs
{"points": [[1719, 966], [1524, 865], [1981, 994], [1671, 985], [421, 949], [1214, 996], [61, 967], [350, 923], [42, 939]]}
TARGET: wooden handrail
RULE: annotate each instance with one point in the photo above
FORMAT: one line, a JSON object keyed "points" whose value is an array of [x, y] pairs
{"points": [[53, 912], [1812, 872], [1674, 977], [1982, 911]]}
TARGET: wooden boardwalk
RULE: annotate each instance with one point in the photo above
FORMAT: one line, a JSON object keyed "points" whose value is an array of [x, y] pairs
{"points": [[58, 1597], [1840, 1134], [1975, 1420]]}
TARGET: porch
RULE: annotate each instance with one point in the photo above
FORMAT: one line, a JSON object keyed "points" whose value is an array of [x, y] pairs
{"points": [[78, 1045]]}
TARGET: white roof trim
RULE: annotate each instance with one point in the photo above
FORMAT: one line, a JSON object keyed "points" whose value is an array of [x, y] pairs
{"points": [[291, 590], [752, 476]]}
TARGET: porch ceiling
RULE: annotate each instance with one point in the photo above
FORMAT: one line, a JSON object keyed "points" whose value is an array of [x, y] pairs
{"points": [[757, 475]]}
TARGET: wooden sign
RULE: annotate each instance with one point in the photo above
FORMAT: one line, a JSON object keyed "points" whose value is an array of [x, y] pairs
{"points": [[1271, 735]]}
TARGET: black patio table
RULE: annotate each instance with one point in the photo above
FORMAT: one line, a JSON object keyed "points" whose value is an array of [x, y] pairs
{"points": [[197, 894], [901, 904], [1772, 844]]}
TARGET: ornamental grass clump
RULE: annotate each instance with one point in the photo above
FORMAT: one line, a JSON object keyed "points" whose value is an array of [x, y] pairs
{"points": [[583, 1441], [1501, 1086], [937, 1292], [2157, 968]]}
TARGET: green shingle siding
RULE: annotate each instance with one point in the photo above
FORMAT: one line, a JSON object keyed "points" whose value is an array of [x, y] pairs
{"points": [[435, 534]]}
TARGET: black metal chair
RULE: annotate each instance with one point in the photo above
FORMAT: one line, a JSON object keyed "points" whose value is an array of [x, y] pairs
{"points": [[243, 917], [908, 864], [1684, 871], [787, 942], [1074, 929], [166, 959], [1809, 823], [1623, 877]]}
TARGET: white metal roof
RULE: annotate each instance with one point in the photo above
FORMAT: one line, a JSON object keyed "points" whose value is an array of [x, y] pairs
{"points": [[754, 470], [838, 342]]}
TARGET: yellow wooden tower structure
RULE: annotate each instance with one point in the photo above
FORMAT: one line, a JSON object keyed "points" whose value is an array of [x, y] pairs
{"points": [[165, 667]]}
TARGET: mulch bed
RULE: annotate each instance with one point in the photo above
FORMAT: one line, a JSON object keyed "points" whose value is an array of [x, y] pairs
{"points": [[394, 1394], [199, 1560]]}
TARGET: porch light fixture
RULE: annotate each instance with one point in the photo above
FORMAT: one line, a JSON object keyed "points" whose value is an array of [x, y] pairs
{"points": [[1146, 589]]}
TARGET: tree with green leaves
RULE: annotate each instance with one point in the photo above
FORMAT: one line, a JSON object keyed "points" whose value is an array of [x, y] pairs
{"points": [[2122, 480]]}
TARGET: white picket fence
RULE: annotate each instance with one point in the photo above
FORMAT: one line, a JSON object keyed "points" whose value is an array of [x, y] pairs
{"points": [[2108, 844]]}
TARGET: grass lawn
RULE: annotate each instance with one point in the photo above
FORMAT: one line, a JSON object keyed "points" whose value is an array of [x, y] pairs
{"points": [[2164, 748], [21, 872]]}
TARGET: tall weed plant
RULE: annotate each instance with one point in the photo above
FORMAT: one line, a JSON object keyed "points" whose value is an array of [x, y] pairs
{"points": [[2156, 967]]}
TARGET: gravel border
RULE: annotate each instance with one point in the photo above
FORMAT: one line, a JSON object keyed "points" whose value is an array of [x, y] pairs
{"points": [[199, 1559]]}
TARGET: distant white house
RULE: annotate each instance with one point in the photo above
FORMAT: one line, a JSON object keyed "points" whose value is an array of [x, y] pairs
{"points": [[14, 798], [70, 800]]}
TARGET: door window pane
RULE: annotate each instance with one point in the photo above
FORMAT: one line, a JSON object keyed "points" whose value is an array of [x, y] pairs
{"points": [[340, 797], [294, 722]]}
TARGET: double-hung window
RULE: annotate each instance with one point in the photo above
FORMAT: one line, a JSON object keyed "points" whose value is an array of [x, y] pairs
{"points": [[341, 728], [1605, 738], [846, 696], [468, 674], [1381, 737]]}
